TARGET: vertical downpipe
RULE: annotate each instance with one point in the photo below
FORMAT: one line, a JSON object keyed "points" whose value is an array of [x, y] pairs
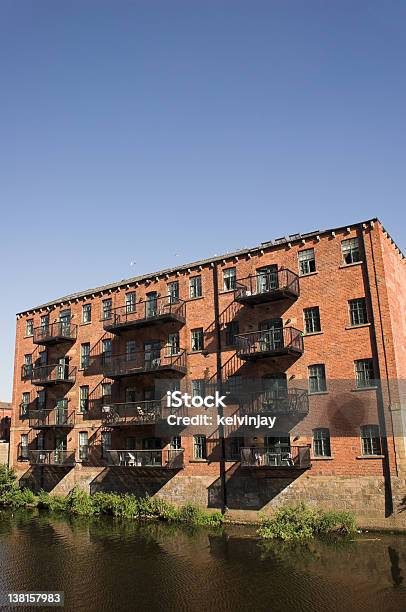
{"points": [[223, 481], [374, 344]]}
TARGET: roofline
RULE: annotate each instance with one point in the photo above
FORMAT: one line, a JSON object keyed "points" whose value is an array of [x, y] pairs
{"points": [[291, 239]]}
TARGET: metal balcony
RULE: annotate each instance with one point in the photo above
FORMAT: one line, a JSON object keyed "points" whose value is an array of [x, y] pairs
{"points": [[270, 343], [142, 314], [267, 287], [55, 457], [46, 375], [169, 459], [54, 333], [284, 402], [132, 413], [53, 418], [158, 362], [289, 457]]}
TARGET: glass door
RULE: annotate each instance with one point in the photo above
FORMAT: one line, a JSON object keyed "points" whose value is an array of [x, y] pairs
{"points": [[267, 279], [152, 355], [64, 318], [60, 449], [61, 412], [151, 304], [272, 337]]}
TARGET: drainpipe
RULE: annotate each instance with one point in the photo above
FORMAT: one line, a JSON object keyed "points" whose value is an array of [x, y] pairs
{"points": [[223, 481], [381, 403]]}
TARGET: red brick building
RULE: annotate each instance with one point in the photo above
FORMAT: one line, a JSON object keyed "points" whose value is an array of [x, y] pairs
{"points": [[316, 320]]}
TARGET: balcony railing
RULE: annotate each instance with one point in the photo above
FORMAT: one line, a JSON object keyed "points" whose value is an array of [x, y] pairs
{"points": [[55, 417], [270, 343], [289, 457], [267, 287], [141, 362], [149, 312], [53, 374], [60, 331], [51, 457], [289, 402], [170, 459], [132, 413]]}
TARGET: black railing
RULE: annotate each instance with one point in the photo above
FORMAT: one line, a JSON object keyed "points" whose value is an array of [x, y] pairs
{"points": [[132, 413], [269, 285], [52, 457], [288, 402], [56, 417], [165, 308], [52, 374], [138, 362], [169, 458], [279, 456], [275, 341], [55, 332]]}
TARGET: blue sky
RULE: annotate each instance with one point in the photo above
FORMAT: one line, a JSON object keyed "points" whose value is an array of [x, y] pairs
{"points": [[161, 132]]}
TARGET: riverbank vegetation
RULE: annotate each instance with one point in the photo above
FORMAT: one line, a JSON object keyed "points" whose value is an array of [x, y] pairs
{"points": [[287, 523], [80, 503], [302, 522]]}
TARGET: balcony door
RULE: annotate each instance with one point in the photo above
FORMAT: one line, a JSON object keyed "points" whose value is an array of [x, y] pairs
{"points": [[63, 368], [151, 304], [271, 338], [267, 279], [61, 411], [60, 448], [275, 388], [152, 355], [154, 446], [64, 318]]}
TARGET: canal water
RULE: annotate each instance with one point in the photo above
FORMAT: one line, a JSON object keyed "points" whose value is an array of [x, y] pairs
{"points": [[105, 565]]}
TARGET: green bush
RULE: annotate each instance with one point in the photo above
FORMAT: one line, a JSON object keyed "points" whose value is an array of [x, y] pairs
{"points": [[79, 502], [54, 503], [301, 522], [196, 516]]}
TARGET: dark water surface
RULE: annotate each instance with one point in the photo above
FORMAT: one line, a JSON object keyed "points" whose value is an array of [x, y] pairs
{"points": [[105, 565]]}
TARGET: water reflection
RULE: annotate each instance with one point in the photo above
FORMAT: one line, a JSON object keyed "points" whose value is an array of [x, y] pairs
{"points": [[109, 565]]}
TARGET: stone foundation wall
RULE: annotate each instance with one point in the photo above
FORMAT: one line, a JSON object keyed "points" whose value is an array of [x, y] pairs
{"points": [[247, 493]]}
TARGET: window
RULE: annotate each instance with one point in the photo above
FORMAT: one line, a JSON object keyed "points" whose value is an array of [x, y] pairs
{"points": [[350, 251], [41, 399], [29, 327], [307, 262], [83, 445], [84, 398], [312, 320], [106, 393], [234, 386], [44, 321], [27, 368], [321, 442], [130, 302], [199, 447], [130, 350], [173, 344], [130, 443], [173, 292], [25, 404], [107, 306], [107, 350], [364, 373], [229, 279], [198, 387], [195, 286], [23, 455], [197, 339], [85, 355], [176, 443], [232, 330], [370, 440], [105, 443], [86, 313], [40, 440], [358, 311], [317, 378], [236, 444]]}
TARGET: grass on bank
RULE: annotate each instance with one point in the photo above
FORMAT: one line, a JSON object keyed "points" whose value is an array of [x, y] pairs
{"points": [[302, 522]]}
